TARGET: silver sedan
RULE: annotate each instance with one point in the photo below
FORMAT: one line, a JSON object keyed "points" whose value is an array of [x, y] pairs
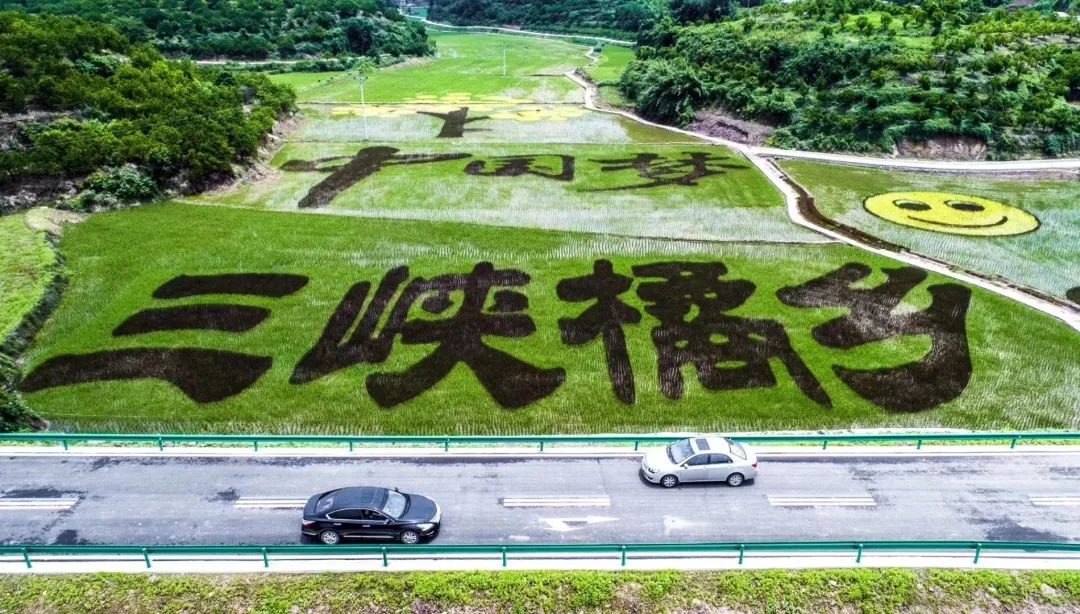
{"points": [[700, 459]]}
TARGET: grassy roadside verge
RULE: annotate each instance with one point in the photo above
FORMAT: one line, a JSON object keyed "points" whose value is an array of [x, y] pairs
{"points": [[26, 270], [29, 288], [859, 590]]}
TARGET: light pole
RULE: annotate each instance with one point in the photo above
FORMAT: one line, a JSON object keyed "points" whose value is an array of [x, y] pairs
{"points": [[363, 105]]}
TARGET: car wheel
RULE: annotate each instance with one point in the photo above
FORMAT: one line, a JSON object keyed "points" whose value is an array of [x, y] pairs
{"points": [[409, 537], [330, 538], [735, 479], [669, 481]]}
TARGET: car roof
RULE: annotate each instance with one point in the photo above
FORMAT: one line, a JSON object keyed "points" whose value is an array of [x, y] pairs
{"points": [[359, 496], [710, 444]]}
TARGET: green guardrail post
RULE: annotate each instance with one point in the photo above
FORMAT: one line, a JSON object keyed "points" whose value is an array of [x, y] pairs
{"points": [[541, 445], [65, 445], [256, 442], [26, 558], [742, 553], [918, 446], [160, 444], [1013, 444], [978, 553], [825, 445], [146, 556], [446, 445], [504, 556], [858, 557], [636, 445], [350, 446], [624, 556], [385, 561], [266, 559]]}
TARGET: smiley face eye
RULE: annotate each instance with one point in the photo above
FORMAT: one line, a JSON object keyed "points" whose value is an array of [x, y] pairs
{"points": [[960, 205], [911, 205]]}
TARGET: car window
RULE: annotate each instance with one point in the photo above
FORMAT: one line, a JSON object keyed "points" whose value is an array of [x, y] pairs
{"points": [[326, 503], [718, 459], [349, 514], [737, 449], [700, 459], [372, 515]]}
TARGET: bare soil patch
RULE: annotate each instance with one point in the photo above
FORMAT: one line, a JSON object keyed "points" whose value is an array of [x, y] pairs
{"points": [[717, 123]]}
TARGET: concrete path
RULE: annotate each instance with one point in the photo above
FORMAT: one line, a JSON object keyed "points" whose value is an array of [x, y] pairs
{"points": [[1053, 164]]}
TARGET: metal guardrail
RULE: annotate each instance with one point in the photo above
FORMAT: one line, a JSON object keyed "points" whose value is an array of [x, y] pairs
{"points": [[542, 441], [623, 551]]}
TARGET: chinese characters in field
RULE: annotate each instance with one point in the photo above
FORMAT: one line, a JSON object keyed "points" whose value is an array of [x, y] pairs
{"points": [[698, 316]]}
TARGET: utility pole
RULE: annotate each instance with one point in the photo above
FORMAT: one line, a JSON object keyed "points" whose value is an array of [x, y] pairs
{"points": [[363, 103]]}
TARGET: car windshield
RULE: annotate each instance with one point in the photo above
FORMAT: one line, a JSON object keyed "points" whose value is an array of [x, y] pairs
{"points": [[679, 451], [737, 450], [395, 504]]}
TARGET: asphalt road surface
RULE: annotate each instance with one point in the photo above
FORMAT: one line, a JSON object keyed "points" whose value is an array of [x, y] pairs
{"points": [[223, 500]]}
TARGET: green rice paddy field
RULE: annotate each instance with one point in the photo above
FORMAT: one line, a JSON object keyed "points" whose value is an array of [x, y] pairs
{"points": [[489, 122], [473, 359], [613, 61], [738, 203], [473, 64], [1045, 259], [302, 81], [1016, 382]]}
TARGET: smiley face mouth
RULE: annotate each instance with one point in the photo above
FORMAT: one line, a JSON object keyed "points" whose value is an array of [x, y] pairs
{"points": [[1003, 220]]}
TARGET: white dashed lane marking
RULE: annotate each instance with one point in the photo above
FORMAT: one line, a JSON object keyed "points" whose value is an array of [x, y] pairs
{"points": [[820, 501], [556, 501], [1055, 501], [38, 503], [270, 503]]}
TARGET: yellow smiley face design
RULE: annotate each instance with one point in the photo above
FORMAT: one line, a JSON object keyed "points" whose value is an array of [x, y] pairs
{"points": [[951, 213]]}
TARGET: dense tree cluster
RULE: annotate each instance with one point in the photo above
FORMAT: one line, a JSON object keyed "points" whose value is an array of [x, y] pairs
{"points": [[254, 29], [864, 75], [86, 99], [612, 17]]}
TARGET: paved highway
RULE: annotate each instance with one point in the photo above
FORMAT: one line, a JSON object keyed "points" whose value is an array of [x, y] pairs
{"points": [[251, 500]]}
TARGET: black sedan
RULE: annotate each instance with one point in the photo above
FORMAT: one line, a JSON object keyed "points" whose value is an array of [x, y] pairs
{"points": [[368, 512]]}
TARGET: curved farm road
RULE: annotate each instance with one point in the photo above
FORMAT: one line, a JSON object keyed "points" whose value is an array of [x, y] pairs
{"points": [[800, 205]]}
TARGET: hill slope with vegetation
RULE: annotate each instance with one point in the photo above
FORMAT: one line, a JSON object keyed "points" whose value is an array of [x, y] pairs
{"points": [[866, 75], [81, 100], [248, 28]]}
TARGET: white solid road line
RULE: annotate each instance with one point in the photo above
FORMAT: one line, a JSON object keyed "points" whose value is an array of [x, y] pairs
{"points": [[1055, 501], [38, 503], [820, 501], [270, 502], [593, 501]]}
